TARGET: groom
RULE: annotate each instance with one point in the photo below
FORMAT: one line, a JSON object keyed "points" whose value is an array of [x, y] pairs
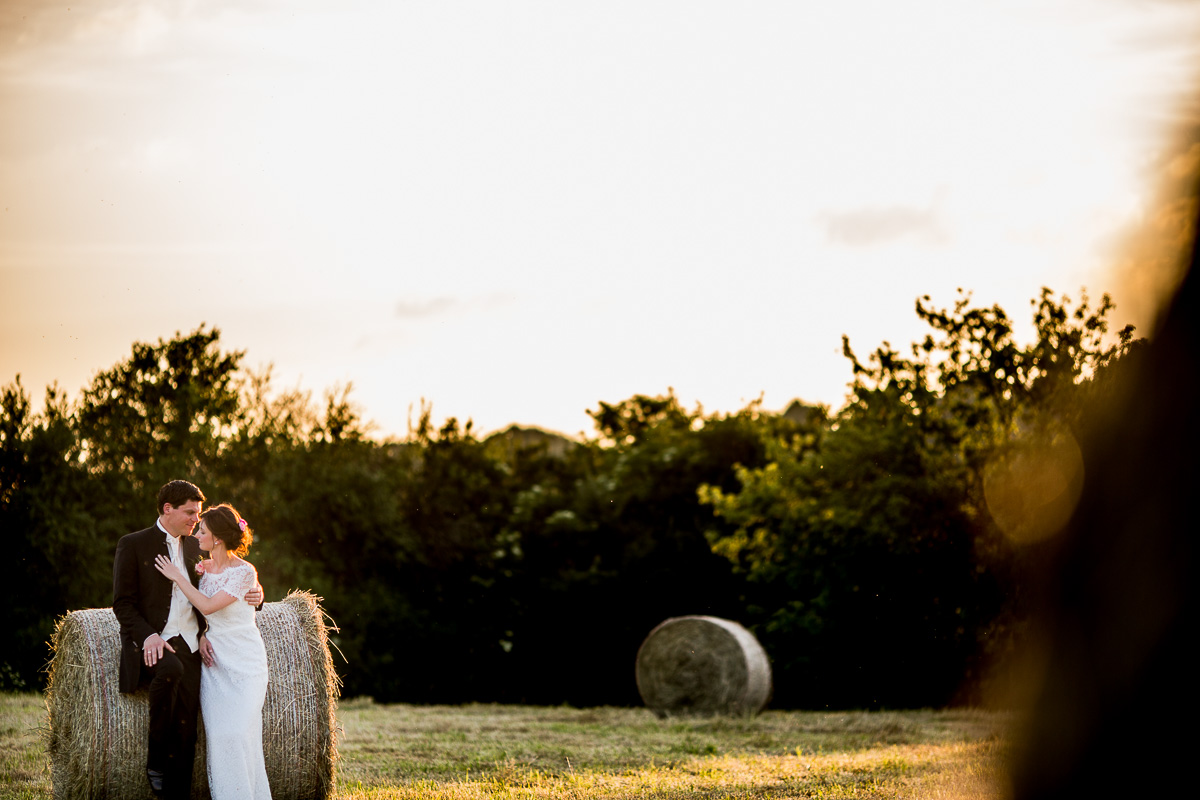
{"points": [[162, 635]]}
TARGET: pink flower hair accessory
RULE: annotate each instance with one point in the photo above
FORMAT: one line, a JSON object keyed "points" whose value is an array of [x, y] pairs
{"points": [[242, 525]]}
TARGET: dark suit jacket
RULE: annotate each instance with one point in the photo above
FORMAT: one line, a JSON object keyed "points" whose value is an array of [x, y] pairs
{"points": [[142, 595]]}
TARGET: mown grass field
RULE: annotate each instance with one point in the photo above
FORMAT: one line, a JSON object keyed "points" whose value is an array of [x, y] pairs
{"points": [[486, 751]]}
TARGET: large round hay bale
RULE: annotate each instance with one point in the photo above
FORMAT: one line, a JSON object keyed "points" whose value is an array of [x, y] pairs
{"points": [[702, 666], [97, 736]]}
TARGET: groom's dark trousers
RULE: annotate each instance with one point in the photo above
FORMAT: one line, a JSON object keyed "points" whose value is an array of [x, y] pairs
{"points": [[142, 602], [174, 708]]}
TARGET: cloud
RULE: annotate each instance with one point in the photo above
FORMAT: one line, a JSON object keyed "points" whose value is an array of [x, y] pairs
{"points": [[496, 301], [879, 225], [415, 309]]}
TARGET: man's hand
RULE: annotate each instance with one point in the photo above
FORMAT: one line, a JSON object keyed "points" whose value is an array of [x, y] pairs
{"points": [[206, 651], [152, 649], [255, 596]]}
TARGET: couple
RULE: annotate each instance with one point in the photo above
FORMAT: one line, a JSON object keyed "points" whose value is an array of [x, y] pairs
{"points": [[169, 626]]}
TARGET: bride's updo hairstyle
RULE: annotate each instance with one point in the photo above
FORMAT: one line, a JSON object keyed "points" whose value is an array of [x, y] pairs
{"points": [[226, 524]]}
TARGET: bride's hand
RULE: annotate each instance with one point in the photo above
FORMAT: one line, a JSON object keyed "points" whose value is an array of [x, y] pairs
{"points": [[206, 651], [168, 568]]}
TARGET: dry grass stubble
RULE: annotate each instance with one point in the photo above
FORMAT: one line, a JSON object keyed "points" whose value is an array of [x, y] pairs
{"points": [[480, 751], [485, 751]]}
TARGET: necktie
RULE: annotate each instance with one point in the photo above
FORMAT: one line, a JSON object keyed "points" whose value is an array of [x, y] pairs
{"points": [[176, 548]]}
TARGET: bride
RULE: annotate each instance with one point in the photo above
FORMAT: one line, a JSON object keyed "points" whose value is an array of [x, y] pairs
{"points": [[233, 687]]}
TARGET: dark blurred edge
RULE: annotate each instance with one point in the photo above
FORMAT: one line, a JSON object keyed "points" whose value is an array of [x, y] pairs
{"points": [[1109, 709]]}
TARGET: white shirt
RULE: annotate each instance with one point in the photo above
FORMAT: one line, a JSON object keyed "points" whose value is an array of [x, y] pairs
{"points": [[181, 621]]}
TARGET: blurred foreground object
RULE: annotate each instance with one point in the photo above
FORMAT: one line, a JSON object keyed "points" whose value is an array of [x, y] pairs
{"points": [[1111, 680], [702, 666], [97, 736]]}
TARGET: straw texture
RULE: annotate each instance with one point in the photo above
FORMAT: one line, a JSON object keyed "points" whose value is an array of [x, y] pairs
{"points": [[97, 736], [702, 666]]}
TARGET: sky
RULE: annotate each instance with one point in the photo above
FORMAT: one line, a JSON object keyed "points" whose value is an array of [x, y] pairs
{"points": [[514, 210]]}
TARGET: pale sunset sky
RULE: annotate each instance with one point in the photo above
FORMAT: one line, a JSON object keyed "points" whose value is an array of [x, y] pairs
{"points": [[517, 209]]}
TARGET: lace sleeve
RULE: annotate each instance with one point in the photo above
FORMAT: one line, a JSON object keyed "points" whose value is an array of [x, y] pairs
{"points": [[237, 581]]}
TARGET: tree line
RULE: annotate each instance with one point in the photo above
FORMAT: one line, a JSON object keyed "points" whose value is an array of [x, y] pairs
{"points": [[864, 547]]}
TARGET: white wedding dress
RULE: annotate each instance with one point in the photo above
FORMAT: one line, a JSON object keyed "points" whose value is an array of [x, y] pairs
{"points": [[233, 690]]}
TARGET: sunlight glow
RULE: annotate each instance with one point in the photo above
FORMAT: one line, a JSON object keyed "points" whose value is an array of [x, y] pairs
{"points": [[590, 201]]}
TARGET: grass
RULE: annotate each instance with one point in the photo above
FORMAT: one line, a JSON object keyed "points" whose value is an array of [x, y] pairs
{"points": [[24, 765], [485, 751]]}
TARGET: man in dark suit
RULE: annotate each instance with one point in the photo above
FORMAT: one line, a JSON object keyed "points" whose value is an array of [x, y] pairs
{"points": [[162, 635]]}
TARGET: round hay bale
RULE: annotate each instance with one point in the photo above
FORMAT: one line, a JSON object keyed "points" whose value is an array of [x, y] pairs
{"points": [[702, 666], [96, 736]]}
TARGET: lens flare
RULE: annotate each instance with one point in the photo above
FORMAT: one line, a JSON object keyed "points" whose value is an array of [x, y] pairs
{"points": [[1032, 490]]}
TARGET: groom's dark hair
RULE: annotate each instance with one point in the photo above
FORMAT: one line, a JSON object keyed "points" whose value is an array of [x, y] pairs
{"points": [[177, 493]]}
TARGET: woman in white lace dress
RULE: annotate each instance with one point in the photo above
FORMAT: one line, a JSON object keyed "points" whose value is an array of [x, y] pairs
{"points": [[234, 686]]}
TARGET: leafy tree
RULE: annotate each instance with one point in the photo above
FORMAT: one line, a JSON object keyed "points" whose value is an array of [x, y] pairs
{"points": [[876, 568], [453, 501], [861, 545], [166, 412], [400, 539], [47, 511], [611, 542]]}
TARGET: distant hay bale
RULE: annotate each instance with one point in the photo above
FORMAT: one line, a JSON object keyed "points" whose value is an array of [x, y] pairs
{"points": [[97, 736], [702, 666]]}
